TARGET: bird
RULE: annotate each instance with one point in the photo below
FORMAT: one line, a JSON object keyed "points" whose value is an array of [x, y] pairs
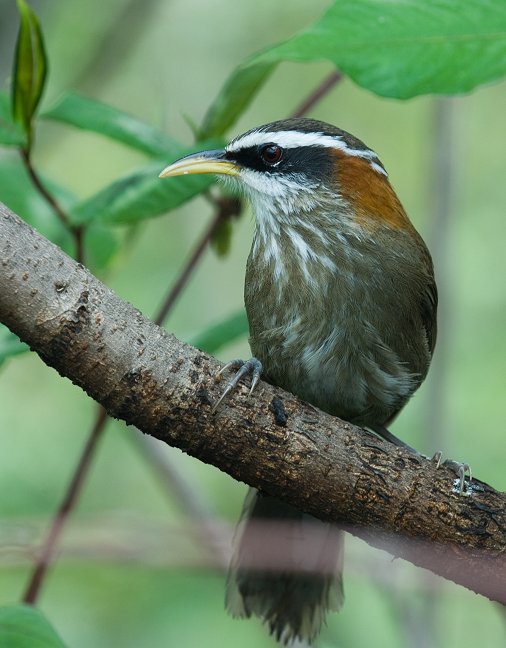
{"points": [[341, 302]]}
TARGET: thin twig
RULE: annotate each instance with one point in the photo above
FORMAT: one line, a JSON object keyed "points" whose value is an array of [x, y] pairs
{"points": [[66, 506], [325, 86], [48, 197], [76, 230], [225, 209]]}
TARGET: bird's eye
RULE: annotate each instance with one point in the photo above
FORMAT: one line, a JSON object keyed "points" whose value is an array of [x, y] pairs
{"points": [[271, 154]]}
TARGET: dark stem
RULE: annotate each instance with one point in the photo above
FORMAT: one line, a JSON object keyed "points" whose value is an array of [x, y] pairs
{"points": [[76, 230], [226, 208], [325, 86], [66, 506], [78, 233]]}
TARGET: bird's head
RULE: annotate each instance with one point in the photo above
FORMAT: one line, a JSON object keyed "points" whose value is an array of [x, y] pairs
{"points": [[294, 167]]}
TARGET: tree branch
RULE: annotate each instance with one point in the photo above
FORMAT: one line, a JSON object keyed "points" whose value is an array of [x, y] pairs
{"points": [[141, 374]]}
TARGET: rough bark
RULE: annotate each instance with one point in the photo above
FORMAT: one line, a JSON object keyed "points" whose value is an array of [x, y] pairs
{"points": [[271, 440]]}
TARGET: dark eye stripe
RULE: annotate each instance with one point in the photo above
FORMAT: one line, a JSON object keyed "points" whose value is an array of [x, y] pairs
{"points": [[312, 161]]}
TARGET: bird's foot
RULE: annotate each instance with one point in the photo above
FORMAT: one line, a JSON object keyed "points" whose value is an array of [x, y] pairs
{"points": [[460, 469], [252, 366]]}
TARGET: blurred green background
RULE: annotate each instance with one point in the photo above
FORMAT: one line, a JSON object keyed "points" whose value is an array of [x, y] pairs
{"points": [[128, 574]]}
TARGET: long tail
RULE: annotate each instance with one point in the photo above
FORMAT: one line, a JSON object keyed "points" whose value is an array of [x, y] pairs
{"points": [[286, 568]]}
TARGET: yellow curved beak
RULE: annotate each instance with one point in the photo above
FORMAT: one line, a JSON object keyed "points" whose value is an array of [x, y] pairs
{"points": [[204, 162]]}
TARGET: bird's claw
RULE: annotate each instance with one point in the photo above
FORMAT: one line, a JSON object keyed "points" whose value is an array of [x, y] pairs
{"points": [[252, 366], [436, 458], [460, 469]]}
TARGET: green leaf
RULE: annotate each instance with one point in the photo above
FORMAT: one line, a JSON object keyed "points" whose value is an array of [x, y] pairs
{"points": [[404, 48], [11, 133], [395, 48], [30, 67], [219, 335], [234, 97], [91, 115], [10, 345], [142, 194], [23, 626]]}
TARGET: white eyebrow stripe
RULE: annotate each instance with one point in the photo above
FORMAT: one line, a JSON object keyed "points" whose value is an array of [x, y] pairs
{"points": [[295, 139]]}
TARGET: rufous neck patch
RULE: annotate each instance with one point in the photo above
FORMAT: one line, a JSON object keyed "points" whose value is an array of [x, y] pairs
{"points": [[370, 192]]}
